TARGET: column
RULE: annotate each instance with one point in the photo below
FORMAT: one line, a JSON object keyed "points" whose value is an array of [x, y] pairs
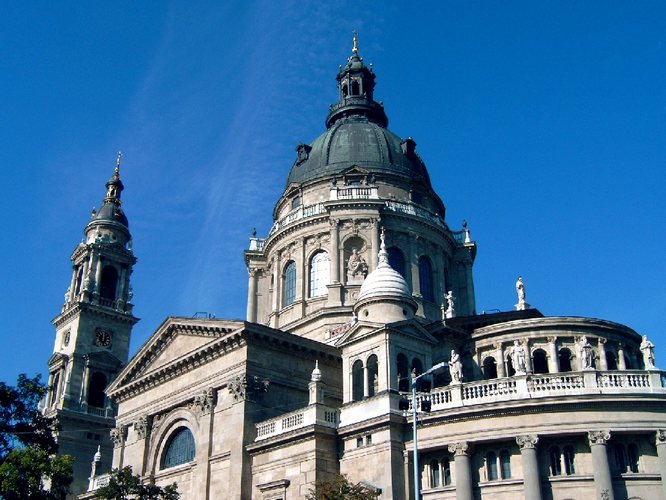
{"points": [[276, 282], [98, 279], [528, 356], [531, 478], [600, 467], [621, 365], [72, 285], [374, 238], [335, 251], [499, 356], [84, 385], [463, 470], [366, 384], [661, 452], [553, 361], [603, 363], [252, 296], [122, 286], [413, 262]]}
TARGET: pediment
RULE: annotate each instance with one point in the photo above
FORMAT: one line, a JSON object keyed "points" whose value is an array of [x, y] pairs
{"points": [[364, 329], [354, 170], [175, 338], [57, 358], [105, 359]]}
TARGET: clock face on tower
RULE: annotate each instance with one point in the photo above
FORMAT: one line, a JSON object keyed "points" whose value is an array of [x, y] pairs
{"points": [[102, 338]]}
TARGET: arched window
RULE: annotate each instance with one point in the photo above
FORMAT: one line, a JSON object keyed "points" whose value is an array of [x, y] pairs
{"points": [[425, 279], [510, 371], [489, 368], [179, 450], [289, 284], [396, 260], [96, 390], [373, 373], [611, 360], [319, 274], [620, 458], [357, 380], [629, 365], [555, 461], [632, 457], [565, 359], [446, 471], [505, 464], [417, 366], [403, 373], [107, 289], [540, 361], [568, 456], [295, 202], [435, 477], [491, 466], [53, 393], [79, 280], [344, 90], [355, 88]]}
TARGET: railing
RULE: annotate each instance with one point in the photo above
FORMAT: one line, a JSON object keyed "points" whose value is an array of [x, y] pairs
{"points": [[354, 193], [410, 209], [310, 415], [302, 212], [107, 302], [545, 386], [99, 482]]}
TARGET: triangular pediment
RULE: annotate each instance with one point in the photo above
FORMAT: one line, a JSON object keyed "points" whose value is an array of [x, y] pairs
{"points": [[57, 358], [354, 170], [364, 329], [175, 338], [105, 359]]}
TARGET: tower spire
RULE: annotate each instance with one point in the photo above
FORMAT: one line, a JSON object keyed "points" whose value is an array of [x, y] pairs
{"points": [[355, 41]]}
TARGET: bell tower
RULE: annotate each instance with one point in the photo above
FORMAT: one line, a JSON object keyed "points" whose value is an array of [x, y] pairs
{"points": [[92, 335]]}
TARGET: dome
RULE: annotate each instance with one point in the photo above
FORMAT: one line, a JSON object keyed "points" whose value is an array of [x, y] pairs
{"points": [[384, 281], [110, 212], [358, 141]]}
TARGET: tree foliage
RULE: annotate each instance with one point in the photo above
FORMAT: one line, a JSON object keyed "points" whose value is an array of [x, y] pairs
{"points": [[124, 485], [28, 446], [339, 487]]}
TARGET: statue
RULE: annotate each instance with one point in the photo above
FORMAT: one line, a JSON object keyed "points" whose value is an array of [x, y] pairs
{"points": [[450, 311], [520, 291], [586, 354], [455, 367], [647, 349], [356, 264], [518, 360]]}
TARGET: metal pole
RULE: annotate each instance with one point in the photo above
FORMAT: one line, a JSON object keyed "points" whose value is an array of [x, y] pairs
{"points": [[417, 489]]}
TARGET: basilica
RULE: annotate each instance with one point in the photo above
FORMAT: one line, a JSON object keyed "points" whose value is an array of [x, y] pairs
{"points": [[360, 318]]}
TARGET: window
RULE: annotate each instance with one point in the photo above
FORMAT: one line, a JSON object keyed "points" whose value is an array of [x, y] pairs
{"points": [[109, 283], [626, 458], [403, 373], [440, 473], [505, 464], [435, 479], [289, 280], [568, 456], [96, 390], [611, 361], [489, 368], [179, 450], [373, 374], [319, 274], [357, 380], [565, 360], [555, 461], [295, 202], [53, 393], [425, 279], [396, 260], [540, 361], [632, 457], [491, 466]]}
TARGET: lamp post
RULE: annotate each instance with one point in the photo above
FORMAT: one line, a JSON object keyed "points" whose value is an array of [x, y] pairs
{"points": [[417, 489]]}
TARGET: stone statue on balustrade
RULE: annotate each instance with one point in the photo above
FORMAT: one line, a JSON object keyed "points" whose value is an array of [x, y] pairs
{"points": [[587, 355], [455, 368], [520, 291], [450, 311], [518, 359], [647, 349]]}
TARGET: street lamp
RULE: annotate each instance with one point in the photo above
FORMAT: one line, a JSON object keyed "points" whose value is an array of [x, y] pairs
{"points": [[417, 489]]}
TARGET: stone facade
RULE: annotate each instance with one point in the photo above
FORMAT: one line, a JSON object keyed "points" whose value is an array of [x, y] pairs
{"points": [[359, 286]]}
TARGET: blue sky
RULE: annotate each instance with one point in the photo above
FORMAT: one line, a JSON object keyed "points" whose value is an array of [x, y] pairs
{"points": [[541, 123]]}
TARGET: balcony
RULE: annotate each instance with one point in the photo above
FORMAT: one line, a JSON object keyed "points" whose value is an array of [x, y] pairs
{"points": [[304, 417], [302, 212], [354, 193]]}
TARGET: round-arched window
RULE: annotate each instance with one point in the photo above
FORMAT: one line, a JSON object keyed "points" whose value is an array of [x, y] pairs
{"points": [[397, 260], [319, 274], [289, 284], [425, 279], [179, 449]]}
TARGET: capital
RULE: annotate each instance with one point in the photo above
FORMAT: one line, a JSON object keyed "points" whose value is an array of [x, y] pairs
{"points": [[459, 449], [598, 437], [661, 437], [552, 340], [528, 441]]}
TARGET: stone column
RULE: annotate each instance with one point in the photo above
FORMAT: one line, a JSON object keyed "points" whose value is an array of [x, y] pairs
{"points": [[600, 467], [463, 470], [661, 452], [528, 356], [531, 478], [374, 240], [366, 385], [501, 369], [335, 251], [276, 283], [553, 361], [413, 262], [72, 285], [621, 365], [98, 277], [252, 296], [603, 362]]}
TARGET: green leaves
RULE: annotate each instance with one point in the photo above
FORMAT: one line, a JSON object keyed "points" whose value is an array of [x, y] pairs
{"points": [[124, 485]]}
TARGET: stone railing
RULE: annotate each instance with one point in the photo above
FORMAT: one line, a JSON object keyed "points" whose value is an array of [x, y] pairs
{"points": [[354, 193], [302, 212], [416, 211], [98, 482], [544, 386], [310, 415]]}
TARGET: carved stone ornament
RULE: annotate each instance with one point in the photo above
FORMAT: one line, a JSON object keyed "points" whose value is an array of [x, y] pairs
{"points": [[661, 436], [118, 435], [598, 437], [205, 402], [243, 387], [528, 441], [141, 427], [459, 448]]}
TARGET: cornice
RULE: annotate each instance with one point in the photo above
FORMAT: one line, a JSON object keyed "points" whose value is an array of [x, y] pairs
{"points": [[79, 308]]}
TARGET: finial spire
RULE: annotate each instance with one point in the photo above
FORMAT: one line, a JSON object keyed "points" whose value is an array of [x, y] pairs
{"points": [[120, 157], [355, 47], [383, 254]]}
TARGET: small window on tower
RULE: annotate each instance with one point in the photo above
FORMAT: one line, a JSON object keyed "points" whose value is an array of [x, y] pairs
{"points": [[295, 202]]}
